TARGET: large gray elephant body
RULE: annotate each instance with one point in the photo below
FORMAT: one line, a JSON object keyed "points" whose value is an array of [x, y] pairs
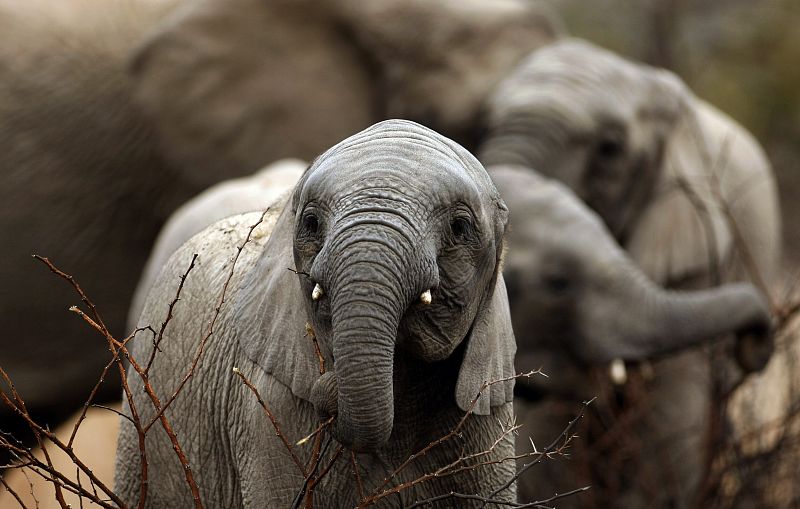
{"points": [[82, 183], [691, 197], [323, 71], [377, 221], [96, 151]]}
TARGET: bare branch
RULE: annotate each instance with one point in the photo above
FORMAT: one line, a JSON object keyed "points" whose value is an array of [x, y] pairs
{"points": [[160, 336]]}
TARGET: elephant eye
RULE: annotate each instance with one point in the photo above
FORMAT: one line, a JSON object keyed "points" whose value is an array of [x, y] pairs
{"points": [[557, 284], [310, 223], [610, 147], [461, 226]]}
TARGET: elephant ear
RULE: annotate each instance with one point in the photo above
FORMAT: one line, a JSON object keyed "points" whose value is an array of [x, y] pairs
{"points": [[270, 315], [232, 85], [438, 61], [489, 354], [683, 234]]}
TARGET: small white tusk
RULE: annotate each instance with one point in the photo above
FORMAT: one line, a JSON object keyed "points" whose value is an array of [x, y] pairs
{"points": [[426, 297], [317, 293], [618, 372]]}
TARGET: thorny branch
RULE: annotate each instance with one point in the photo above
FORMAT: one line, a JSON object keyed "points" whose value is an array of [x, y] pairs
{"points": [[118, 349]]}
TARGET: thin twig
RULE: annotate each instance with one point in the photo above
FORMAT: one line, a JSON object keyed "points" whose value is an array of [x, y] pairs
{"points": [[71, 280], [357, 476], [13, 493], [321, 427], [157, 340], [313, 335]]}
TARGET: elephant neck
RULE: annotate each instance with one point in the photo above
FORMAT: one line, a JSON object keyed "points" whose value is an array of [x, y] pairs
{"points": [[424, 398]]}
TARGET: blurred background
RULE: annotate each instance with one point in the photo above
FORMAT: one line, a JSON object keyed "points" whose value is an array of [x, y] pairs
{"points": [[740, 55]]}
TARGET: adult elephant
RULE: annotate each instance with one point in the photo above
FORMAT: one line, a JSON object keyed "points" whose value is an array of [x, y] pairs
{"points": [[113, 113], [294, 77], [396, 236], [691, 197], [82, 183]]}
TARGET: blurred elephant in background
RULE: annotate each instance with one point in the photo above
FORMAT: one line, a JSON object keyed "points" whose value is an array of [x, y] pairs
{"points": [[578, 301], [113, 113], [82, 183], [284, 78], [670, 176]]}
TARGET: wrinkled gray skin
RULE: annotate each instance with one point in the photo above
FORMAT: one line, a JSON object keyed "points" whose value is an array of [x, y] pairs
{"points": [[114, 112], [622, 135], [377, 220]]}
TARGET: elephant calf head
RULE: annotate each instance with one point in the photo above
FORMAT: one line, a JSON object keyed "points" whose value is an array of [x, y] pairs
{"points": [[591, 119], [574, 292], [657, 163], [396, 234]]}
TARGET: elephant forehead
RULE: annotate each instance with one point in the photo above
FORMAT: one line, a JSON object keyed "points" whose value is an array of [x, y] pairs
{"points": [[401, 167], [574, 74], [407, 154]]}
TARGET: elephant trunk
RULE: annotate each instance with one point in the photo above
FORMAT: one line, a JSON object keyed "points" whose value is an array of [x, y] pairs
{"points": [[368, 299], [524, 141], [653, 321]]}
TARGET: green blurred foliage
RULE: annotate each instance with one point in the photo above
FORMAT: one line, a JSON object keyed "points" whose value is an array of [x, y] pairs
{"points": [[741, 55]]}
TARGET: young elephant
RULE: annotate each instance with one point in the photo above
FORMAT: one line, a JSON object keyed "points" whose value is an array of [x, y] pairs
{"points": [[669, 175], [396, 235], [577, 301]]}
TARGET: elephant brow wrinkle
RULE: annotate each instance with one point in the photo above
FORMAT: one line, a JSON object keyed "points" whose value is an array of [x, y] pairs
{"points": [[378, 209]]}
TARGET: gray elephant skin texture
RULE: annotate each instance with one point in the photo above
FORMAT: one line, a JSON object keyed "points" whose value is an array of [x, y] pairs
{"points": [[115, 112], [376, 221], [655, 162]]}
